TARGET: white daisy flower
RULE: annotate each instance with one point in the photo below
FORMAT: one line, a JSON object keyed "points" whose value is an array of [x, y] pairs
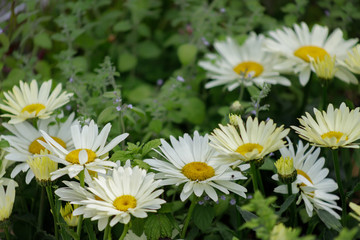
{"points": [[191, 161], [300, 46], [311, 179], [89, 152], [246, 64], [7, 199], [334, 128], [236, 143], [128, 191], [24, 141], [352, 61], [29, 101]]}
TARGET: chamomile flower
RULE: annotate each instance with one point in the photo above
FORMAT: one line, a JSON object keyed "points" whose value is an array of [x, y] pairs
{"points": [[352, 61], [315, 189], [29, 101], [243, 143], [89, 151], [236, 65], [300, 46], [24, 143], [334, 128], [7, 198], [127, 192], [190, 161]]}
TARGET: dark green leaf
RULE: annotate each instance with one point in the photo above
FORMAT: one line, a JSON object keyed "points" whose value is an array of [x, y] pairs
{"points": [[137, 225], [286, 204], [247, 216], [203, 216], [43, 40], [158, 226], [150, 145]]}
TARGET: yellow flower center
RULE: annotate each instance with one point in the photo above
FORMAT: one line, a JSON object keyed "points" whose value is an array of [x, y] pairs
{"points": [[305, 52], [249, 147], [124, 202], [35, 107], [198, 171], [73, 156], [337, 135], [249, 66], [35, 147]]}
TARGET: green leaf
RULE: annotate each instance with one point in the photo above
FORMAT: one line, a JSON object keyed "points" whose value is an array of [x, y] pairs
{"points": [[286, 204], [155, 125], [253, 91], [143, 30], [44, 69], [137, 225], [107, 115], [148, 50], [193, 109], [126, 62], [329, 220], [150, 145], [171, 207], [141, 164], [43, 40], [138, 111], [203, 216], [4, 44], [13, 78], [4, 143], [119, 155], [187, 53], [347, 234], [355, 189], [89, 229], [158, 226], [247, 216], [122, 26]]}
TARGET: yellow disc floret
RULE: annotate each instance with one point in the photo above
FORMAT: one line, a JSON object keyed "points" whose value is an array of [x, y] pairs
{"points": [[249, 147], [198, 171], [73, 156], [249, 66], [35, 107], [124, 202], [35, 147], [337, 135], [305, 52]]}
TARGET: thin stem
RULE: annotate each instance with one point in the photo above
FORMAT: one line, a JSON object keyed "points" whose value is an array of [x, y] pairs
{"points": [[341, 188], [41, 209], [126, 228], [107, 232], [82, 184], [253, 176], [53, 210], [7, 234], [188, 217], [324, 96], [292, 207], [259, 180]]}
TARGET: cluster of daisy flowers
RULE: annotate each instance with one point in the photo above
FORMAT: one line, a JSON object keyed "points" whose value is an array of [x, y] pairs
{"points": [[296, 50]]}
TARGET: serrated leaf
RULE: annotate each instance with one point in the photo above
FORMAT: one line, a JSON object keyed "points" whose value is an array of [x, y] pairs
{"points": [[203, 216], [141, 164], [150, 145], [119, 155], [137, 225], [330, 221], [158, 226], [43, 40], [286, 204]]}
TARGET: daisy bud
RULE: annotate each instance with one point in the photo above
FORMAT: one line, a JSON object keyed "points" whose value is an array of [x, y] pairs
{"points": [[286, 171], [325, 69], [42, 166], [67, 214], [7, 199], [233, 119], [236, 106]]}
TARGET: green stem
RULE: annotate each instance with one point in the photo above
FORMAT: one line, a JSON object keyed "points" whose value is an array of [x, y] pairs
{"points": [[82, 184], [53, 210], [107, 232], [341, 188], [41, 209], [292, 207], [259, 180], [324, 96], [253, 175], [7, 234], [126, 228], [188, 217]]}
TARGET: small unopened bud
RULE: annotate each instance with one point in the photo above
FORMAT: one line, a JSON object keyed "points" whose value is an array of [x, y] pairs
{"points": [[67, 214], [42, 166], [286, 171], [236, 106], [234, 119]]}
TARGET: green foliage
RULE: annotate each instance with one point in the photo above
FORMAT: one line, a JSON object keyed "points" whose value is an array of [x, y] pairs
{"points": [[203, 216], [158, 226]]}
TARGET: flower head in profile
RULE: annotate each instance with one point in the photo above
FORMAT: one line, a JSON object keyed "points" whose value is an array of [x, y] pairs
{"points": [[24, 143], [67, 214], [352, 61], [7, 198], [334, 128], [299, 47], [89, 152], [29, 101], [127, 192], [325, 69], [243, 142], [311, 179], [42, 166], [236, 65], [190, 161], [356, 213]]}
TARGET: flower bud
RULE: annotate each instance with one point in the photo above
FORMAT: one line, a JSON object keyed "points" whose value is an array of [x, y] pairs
{"points": [[286, 171]]}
